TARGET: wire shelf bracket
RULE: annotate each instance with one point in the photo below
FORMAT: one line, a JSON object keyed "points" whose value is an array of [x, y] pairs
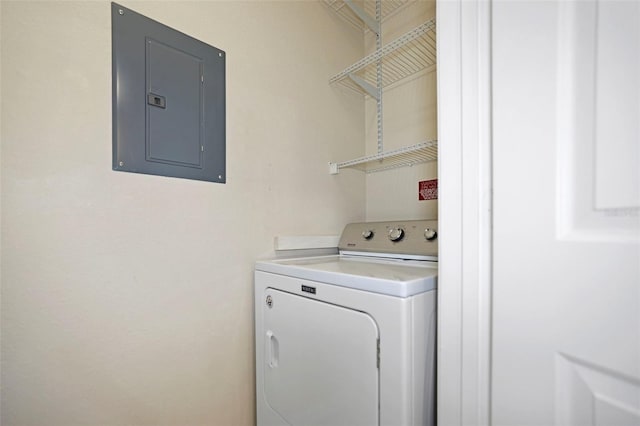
{"points": [[364, 16], [366, 86]]}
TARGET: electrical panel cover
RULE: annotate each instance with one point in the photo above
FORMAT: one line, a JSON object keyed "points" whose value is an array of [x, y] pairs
{"points": [[168, 101]]}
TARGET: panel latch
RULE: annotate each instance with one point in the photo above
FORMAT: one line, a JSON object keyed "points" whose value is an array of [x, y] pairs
{"points": [[156, 100]]}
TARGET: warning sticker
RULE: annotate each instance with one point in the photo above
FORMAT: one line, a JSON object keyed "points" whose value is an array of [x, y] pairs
{"points": [[428, 189]]}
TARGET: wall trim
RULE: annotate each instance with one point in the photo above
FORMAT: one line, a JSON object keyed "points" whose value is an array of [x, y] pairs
{"points": [[465, 212]]}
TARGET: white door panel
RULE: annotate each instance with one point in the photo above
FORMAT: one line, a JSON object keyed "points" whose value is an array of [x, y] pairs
{"points": [[598, 120], [590, 395], [617, 103], [320, 362], [566, 253]]}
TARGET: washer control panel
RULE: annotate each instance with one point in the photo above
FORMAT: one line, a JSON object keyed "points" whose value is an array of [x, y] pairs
{"points": [[411, 237]]}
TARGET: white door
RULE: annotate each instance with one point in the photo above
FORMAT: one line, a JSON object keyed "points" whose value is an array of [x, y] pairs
{"points": [[321, 362], [566, 203]]}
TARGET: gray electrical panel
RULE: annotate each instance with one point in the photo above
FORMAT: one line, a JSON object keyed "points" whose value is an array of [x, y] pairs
{"points": [[168, 100]]}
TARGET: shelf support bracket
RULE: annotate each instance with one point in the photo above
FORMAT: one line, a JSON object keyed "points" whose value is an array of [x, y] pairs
{"points": [[367, 87], [368, 20]]}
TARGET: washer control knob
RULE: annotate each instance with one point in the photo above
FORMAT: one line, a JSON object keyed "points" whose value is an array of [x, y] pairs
{"points": [[396, 234], [368, 234], [430, 234]]}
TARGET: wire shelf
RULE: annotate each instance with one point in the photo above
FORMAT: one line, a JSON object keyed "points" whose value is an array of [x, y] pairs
{"points": [[403, 57], [407, 55], [404, 157], [388, 8]]}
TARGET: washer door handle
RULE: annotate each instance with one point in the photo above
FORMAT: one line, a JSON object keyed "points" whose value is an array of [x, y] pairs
{"points": [[273, 350]]}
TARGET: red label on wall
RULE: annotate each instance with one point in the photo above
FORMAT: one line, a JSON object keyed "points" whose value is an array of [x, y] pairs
{"points": [[428, 189]]}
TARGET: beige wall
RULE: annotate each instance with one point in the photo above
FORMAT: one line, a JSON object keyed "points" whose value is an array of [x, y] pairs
{"points": [[127, 298], [409, 117]]}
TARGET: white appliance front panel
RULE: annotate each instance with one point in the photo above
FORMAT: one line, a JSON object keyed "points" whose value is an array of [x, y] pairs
{"points": [[320, 361]]}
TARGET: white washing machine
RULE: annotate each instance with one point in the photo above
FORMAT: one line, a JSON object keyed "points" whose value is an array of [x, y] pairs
{"points": [[349, 339]]}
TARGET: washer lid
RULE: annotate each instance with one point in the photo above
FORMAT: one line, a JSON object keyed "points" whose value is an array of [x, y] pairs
{"points": [[401, 278]]}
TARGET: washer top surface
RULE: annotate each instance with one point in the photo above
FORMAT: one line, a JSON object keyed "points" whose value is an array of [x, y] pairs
{"points": [[394, 277]]}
